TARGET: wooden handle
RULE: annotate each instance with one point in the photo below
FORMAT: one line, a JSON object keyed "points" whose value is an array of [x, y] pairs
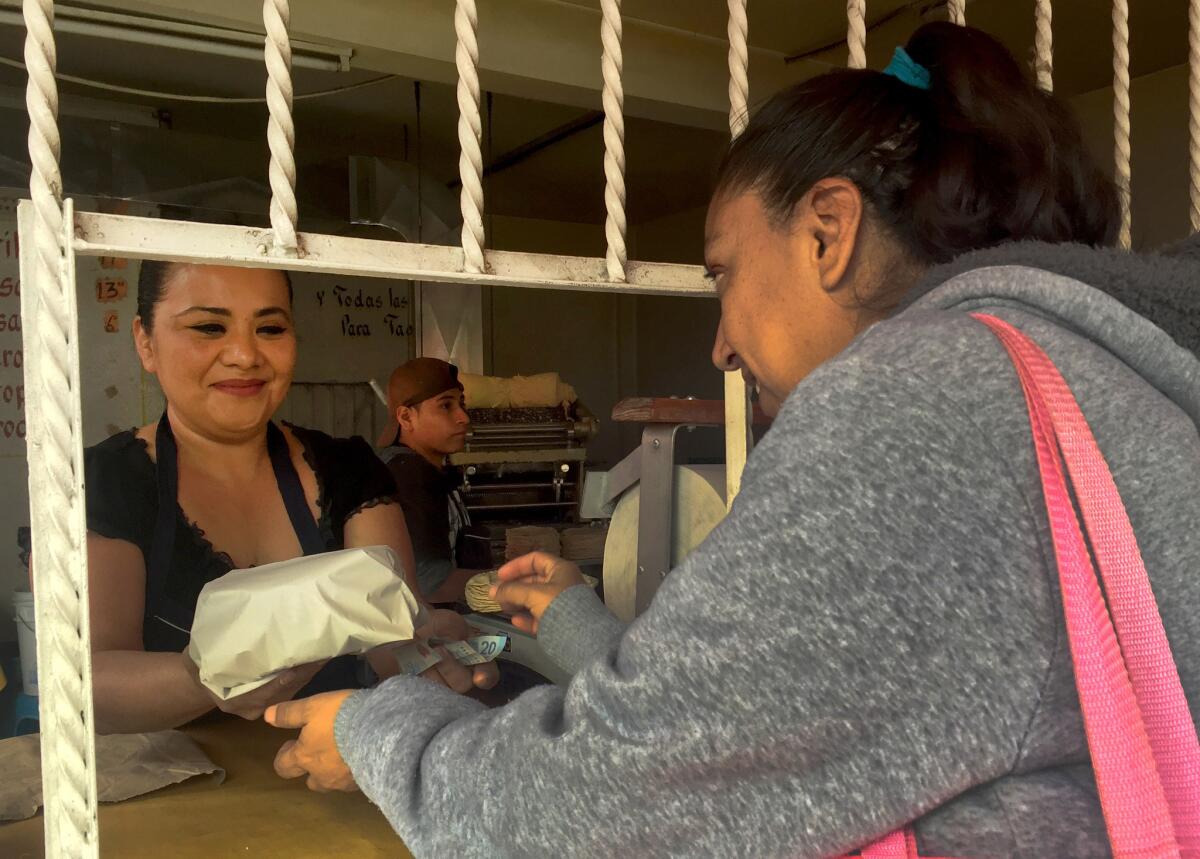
{"points": [[670, 410]]}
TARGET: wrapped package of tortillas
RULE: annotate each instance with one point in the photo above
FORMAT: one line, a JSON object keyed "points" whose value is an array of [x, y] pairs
{"points": [[252, 624]]}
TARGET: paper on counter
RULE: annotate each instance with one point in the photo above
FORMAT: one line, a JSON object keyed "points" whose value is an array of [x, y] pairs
{"points": [[127, 765], [252, 624]]}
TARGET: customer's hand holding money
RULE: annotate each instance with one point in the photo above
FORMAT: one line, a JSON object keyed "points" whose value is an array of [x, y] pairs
{"points": [[528, 585], [444, 628]]}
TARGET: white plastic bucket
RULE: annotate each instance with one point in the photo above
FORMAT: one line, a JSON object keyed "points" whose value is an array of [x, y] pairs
{"points": [[26, 640]]}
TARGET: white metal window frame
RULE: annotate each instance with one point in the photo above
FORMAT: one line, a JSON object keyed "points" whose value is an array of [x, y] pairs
{"points": [[53, 234]]}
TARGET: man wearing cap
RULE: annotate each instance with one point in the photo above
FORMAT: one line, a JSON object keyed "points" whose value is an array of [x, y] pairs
{"points": [[427, 422]]}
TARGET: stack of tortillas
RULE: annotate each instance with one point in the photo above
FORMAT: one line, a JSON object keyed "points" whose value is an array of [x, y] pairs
{"points": [[531, 538], [478, 592], [584, 544]]}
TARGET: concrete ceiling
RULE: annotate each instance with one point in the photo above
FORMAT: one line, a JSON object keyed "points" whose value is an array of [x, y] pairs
{"points": [[539, 58]]}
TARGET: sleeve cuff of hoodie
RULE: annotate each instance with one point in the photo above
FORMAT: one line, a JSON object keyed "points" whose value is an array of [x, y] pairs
{"points": [[576, 627], [394, 738], [367, 715], [344, 718]]}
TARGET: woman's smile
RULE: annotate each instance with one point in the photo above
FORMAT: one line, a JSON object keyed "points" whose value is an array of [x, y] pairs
{"points": [[241, 387]]}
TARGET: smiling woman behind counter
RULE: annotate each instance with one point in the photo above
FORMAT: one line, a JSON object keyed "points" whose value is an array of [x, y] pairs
{"points": [[212, 486]]}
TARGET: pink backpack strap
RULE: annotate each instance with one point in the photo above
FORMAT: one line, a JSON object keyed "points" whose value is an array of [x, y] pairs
{"points": [[1140, 732], [901, 844], [1143, 743]]}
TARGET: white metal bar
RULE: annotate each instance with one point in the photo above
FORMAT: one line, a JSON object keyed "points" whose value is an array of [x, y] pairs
{"points": [[1121, 108], [281, 129], [738, 437], [611, 66], [738, 413], [330, 57], [470, 134], [1194, 110], [1044, 44], [178, 42], [380, 395], [60, 574], [152, 238], [739, 67], [55, 455], [856, 33]]}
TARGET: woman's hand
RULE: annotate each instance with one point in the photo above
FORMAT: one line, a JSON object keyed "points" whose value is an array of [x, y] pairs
{"points": [[530, 583], [446, 625], [314, 753], [250, 705]]}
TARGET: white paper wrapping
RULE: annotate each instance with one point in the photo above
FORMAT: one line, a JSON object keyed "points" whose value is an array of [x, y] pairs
{"points": [[252, 624]]}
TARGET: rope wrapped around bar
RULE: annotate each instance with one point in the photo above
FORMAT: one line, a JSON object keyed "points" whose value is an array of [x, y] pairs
{"points": [[856, 33], [739, 67], [1121, 107], [54, 420], [1194, 110], [611, 66], [738, 438], [281, 129], [470, 134], [1044, 44]]}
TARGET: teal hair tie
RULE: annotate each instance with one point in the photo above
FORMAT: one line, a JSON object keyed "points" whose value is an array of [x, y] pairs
{"points": [[907, 70]]}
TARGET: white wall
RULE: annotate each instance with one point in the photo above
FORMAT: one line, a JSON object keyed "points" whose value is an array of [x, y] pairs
{"points": [[350, 330]]}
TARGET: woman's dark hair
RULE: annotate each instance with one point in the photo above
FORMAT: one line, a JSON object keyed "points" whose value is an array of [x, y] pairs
{"points": [[981, 158], [152, 282]]}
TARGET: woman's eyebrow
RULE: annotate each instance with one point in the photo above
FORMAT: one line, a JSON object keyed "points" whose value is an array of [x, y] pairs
{"points": [[219, 311], [270, 311]]}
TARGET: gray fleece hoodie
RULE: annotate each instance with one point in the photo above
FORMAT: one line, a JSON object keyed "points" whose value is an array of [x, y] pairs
{"points": [[873, 636]]}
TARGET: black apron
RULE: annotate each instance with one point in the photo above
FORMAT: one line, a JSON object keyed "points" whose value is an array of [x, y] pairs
{"points": [[339, 673]]}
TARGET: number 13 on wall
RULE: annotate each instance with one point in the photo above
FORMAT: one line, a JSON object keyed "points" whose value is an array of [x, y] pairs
{"points": [[110, 289]]}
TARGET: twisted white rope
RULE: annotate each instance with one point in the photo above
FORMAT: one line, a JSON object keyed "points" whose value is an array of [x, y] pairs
{"points": [[281, 130], [470, 133], [1194, 108], [739, 67], [956, 10], [611, 65], [1122, 148], [1044, 45], [856, 33], [738, 438], [56, 471]]}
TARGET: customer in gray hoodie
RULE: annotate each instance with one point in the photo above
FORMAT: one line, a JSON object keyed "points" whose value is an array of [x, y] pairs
{"points": [[874, 635]]}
